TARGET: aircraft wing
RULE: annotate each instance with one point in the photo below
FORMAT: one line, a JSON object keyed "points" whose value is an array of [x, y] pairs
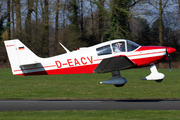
{"points": [[113, 64]]}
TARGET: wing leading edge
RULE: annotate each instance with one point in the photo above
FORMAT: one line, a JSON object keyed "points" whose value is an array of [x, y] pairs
{"points": [[113, 64]]}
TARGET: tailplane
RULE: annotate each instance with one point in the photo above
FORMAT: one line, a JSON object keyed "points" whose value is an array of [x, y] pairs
{"points": [[19, 55]]}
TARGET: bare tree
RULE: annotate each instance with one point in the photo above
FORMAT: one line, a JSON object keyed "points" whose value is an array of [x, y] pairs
{"points": [[18, 19], [13, 20], [46, 28], [28, 31], [152, 7], [179, 5], [101, 18], [56, 27], [8, 19]]}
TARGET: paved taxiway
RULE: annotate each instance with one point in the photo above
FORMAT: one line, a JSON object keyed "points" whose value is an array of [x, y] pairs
{"points": [[24, 105]]}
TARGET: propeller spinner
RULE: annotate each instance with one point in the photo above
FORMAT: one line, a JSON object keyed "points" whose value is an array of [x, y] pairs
{"points": [[170, 50]]}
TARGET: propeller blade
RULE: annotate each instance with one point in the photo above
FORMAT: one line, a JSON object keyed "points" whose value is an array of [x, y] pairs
{"points": [[168, 51], [169, 58]]}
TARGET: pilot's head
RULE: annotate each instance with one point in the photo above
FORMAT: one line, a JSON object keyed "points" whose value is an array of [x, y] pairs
{"points": [[118, 45]]}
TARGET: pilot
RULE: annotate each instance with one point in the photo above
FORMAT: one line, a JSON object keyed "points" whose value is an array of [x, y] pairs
{"points": [[118, 47]]}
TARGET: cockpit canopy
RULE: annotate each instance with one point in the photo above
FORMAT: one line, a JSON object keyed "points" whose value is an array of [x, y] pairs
{"points": [[117, 46]]}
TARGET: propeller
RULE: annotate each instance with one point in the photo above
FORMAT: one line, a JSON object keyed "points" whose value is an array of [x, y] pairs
{"points": [[169, 59], [167, 45], [169, 50]]}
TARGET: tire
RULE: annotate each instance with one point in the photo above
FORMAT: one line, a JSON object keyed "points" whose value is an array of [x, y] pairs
{"points": [[119, 85]]}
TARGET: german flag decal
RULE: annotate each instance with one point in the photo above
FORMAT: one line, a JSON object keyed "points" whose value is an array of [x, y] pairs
{"points": [[21, 48]]}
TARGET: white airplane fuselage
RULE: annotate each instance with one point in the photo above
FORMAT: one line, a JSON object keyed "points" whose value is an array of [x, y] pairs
{"points": [[86, 60]]}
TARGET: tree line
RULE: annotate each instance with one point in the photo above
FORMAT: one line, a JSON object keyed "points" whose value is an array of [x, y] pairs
{"points": [[41, 24]]}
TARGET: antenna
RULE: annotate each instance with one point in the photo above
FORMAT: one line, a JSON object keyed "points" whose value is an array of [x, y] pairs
{"points": [[64, 48]]}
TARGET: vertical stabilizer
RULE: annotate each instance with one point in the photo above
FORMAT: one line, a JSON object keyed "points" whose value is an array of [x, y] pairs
{"points": [[19, 54]]}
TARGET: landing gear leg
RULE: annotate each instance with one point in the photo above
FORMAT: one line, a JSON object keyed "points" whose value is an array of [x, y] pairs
{"points": [[114, 74], [155, 75]]}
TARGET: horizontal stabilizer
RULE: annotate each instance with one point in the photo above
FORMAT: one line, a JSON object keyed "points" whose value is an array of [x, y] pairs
{"points": [[29, 63]]}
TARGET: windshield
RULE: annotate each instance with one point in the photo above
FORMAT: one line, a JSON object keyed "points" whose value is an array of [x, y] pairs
{"points": [[131, 46]]}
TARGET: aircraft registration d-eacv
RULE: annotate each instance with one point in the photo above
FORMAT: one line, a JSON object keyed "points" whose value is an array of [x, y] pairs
{"points": [[111, 56]]}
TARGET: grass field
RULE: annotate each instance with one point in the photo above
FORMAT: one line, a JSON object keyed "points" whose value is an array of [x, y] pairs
{"points": [[91, 115], [87, 86]]}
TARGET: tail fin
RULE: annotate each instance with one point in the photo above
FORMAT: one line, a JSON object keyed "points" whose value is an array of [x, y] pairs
{"points": [[19, 55]]}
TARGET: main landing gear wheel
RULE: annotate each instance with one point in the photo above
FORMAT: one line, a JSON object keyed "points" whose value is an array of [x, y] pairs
{"points": [[119, 85], [158, 81]]}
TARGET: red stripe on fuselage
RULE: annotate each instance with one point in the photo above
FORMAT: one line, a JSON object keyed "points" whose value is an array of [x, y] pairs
{"points": [[149, 60]]}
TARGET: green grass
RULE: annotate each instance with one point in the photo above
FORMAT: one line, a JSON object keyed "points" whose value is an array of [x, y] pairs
{"points": [[87, 86], [92, 115]]}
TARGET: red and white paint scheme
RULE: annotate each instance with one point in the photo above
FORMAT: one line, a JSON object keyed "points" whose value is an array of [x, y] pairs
{"points": [[111, 56]]}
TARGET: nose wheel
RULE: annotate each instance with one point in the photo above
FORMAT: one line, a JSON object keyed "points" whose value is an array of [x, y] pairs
{"points": [[158, 81]]}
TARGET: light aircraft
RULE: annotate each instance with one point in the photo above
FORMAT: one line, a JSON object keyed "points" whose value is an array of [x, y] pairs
{"points": [[111, 56]]}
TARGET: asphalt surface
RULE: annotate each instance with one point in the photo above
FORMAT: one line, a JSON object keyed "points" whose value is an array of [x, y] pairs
{"points": [[38, 105]]}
